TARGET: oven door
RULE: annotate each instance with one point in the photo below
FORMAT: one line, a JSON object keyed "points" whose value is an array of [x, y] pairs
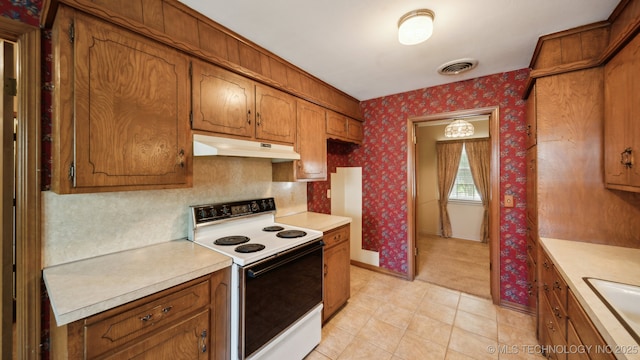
{"points": [[277, 292]]}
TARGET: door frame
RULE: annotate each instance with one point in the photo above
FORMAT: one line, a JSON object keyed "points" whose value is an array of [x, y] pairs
{"points": [[28, 144], [494, 200]]}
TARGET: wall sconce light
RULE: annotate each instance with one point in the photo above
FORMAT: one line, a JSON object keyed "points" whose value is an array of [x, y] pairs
{"points": [[415, 26]]}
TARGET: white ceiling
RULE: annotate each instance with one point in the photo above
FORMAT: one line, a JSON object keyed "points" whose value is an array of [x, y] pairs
{"points": [[352, 44]]}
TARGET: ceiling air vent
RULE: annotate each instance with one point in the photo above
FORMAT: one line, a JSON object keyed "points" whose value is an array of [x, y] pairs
{"points": [[456, 67]]}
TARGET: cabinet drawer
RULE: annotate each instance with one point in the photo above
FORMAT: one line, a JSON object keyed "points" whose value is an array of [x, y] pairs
{"points": [[103, 334], [559, 288], [336, 236], [556, 335]]}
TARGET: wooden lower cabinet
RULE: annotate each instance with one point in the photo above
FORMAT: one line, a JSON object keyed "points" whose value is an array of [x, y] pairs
{"points": [[337, 262], [564, 329], [188, 321]]}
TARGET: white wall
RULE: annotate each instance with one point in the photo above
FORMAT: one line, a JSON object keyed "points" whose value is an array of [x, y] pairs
{"points": [[465, 218], [81, 226]]}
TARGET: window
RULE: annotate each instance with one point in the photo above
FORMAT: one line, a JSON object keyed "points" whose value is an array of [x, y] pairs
{"points": [[464, 189]]}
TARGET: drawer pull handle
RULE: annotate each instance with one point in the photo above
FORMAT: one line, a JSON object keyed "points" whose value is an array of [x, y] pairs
{"points": [[546, 287], [556, 285], [167, 309], [146, 317], [545, 264], [557, 311]]}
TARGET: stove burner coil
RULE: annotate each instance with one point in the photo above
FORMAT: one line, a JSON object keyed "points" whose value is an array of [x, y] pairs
{"points": [[231, 240], [290, 234], [272, 228], [249, 248]]}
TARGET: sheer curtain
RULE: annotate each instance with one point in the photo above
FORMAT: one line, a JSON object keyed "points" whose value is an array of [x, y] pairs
{"points": [[478, 153], [448, 153]]}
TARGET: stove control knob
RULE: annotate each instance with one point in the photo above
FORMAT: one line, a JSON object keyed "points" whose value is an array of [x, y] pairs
{"points": [[202, 213], [212, 211], [225, 210], [254, 206]]}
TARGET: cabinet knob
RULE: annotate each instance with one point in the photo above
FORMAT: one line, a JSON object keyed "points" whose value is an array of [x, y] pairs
{"points": [[167, 309], [626, 159], [258, 119], [249, 116], [146, 317]]}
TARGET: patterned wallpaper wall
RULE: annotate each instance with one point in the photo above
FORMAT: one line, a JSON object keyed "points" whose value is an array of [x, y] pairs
{"points": [[383, 157], [26, 11]]}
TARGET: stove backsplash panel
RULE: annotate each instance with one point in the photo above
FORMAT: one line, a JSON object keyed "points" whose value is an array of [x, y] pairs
{"points": [[86, 225]]}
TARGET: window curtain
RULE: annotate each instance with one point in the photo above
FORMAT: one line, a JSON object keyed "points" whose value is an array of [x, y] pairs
{"points": [[448, 154], [478, 153]]}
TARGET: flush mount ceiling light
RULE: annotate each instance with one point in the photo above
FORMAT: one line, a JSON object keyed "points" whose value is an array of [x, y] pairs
{"points": [[459, 128], [415, 26]]}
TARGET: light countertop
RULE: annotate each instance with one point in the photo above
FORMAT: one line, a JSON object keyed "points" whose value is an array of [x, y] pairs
{"points": [[315, 221], [575, 260], [83, 288]]}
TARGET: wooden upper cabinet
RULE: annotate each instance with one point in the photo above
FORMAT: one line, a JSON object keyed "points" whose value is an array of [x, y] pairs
{"points": [[340, 127], [121, 109], [230, 104], [223, 102], [622, 119], [311, 146], [275, 115]]}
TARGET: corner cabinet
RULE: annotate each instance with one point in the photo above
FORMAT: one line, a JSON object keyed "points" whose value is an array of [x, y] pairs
{"points": [[337, 260], [121, 109], [230, 104], [622, 119], [312, 148], [188, 321]]}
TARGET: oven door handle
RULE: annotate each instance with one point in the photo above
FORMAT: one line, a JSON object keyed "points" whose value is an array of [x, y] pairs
{"points": [[254, 274]]}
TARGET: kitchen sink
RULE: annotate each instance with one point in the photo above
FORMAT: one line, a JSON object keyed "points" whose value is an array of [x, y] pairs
{"points": [[622, 299]]}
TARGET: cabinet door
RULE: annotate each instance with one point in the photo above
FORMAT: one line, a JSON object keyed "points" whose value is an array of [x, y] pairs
{"points": [[336, 125], [354, 130], [188, 340], [532, 123], [131, 109], [622, 127], [311, 143], [336, 280], [223, 102], [275, 115]]}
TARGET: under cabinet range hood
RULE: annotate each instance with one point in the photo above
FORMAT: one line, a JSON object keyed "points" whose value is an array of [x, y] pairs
{"points": [[205, 145]]}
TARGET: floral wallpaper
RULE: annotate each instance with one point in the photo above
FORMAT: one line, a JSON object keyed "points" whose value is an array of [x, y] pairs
{"points": [[26, 11], [383, 157]]}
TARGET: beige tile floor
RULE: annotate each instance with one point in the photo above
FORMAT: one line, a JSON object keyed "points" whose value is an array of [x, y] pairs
{"points": [[389, 318]]}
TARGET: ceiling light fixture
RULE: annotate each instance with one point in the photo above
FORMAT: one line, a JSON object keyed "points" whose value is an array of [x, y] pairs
{"points": [[415, 26], [459, 128]]}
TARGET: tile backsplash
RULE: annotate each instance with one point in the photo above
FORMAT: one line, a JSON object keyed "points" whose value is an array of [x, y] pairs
{"points": [[86, 225]]}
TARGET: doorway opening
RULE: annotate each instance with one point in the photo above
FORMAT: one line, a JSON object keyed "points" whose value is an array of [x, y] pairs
{"points": [[425, 244], [26, 213]]}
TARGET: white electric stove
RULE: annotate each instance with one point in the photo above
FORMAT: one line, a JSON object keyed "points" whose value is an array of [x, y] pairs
{"points": [[276, 277]]}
